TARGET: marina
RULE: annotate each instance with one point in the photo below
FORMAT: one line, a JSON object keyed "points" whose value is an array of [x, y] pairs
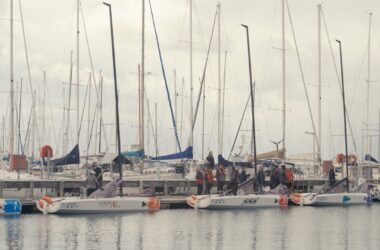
{"points": [[189, 124]]}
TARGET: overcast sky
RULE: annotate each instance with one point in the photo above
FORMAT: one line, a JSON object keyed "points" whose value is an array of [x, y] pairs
{"points": [[50, 27]]}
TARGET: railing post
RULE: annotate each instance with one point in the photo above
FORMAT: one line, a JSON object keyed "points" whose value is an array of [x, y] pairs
{"points": [[31, 189], [61, 188], [188, 185], [141, 186], [165, 188]]}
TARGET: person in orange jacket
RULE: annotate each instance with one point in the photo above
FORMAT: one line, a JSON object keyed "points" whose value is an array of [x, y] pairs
{"points": [[209, 179], [289, 178]]}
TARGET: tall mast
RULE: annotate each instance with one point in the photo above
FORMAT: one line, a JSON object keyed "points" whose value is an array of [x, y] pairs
{"points": [[11, 117], [142, 92], [101, 114], [139, 104], [77, 121], [224, 92], [203, 118], [219, 89], [191, 74], [175, 100], [155, 122], [319, 136], [88, 117], [44, 111], [283, 75], [368, 82]]}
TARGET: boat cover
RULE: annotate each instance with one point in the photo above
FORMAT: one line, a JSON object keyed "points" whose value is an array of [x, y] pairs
{"points": [[187, 154]]}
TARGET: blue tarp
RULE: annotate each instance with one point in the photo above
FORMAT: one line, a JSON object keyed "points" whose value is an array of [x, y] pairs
{"points": [[187, 154], [369, 157], [227, 163], [137, 153]]}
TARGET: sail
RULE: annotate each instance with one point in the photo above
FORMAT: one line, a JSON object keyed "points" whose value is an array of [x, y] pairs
{"points": [[226, 163], [187, 154], [136, 153], [369, 157], [339, 187], [69, 159]]}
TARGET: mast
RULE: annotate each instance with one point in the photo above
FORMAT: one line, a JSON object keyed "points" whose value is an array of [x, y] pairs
{"points": [[101, 114], [69, 104], [175, 99], [88, 116], [224, 92], [191, 75], [44, 111], [319, 136], [344, 113], [139, 104], [252, 103], [11, 116], [203, 118], [283, 76], [142, 76], [367, 145], [77, 71], [116, 99], [155, 122], [219, 89]]}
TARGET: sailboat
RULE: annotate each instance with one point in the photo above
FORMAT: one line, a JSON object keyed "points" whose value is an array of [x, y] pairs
{"points": [[245, 199], [103, 200]]}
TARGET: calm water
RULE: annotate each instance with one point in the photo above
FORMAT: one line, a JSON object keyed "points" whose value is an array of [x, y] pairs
{"points": [[284, 228]]}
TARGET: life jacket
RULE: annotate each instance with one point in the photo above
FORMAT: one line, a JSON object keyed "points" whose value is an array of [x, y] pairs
{"points": [[289, 175], [210, 177]]}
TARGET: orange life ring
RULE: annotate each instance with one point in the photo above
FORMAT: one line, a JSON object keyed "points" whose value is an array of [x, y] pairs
{"points": [[296, 198], [46, 151]]}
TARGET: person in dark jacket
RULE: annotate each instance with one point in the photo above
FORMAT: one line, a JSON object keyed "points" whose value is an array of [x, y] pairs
{"points": [[220, 178], [199, 176], [282, 175], [274, 178], [234, 180], [210, 159], [98, 174], [243, 175], [261, 179], [332, 176], [91, 183]]}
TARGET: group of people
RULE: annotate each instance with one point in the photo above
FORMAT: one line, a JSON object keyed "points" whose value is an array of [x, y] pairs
{"points": [[281, 175], [205, 177], [94, 179]]}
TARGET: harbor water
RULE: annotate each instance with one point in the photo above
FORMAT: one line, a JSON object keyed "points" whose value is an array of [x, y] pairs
{"points": [[354, 227]]}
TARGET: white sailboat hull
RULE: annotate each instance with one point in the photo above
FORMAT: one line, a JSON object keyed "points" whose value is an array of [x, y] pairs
{"points": [[237, 202], [340, 199], [101, 205]]}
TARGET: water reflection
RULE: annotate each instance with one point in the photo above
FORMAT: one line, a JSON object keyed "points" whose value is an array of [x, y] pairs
{"points": [[288, 228]]}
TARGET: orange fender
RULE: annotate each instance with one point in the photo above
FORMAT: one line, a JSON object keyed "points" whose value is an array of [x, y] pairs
{"points": [[296, 198], [283, 201]]}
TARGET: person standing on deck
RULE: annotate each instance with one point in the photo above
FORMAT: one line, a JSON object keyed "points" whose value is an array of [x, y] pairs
{"points": [[234, 180], [243, 175], [289, 179], [210, 159], [98, 174], [91, 183], [261, 179], [209, 179], [332, 176], [220, 178], [199, 176], [282, 175]]}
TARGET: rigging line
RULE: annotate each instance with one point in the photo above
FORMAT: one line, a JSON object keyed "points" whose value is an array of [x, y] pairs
{"points": [[357, 81], [203, 75], [338, 77], [302, 74], [52, 118], [84, 105], [28, 67], [164, 75], [150, 117], [238, 130]]}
